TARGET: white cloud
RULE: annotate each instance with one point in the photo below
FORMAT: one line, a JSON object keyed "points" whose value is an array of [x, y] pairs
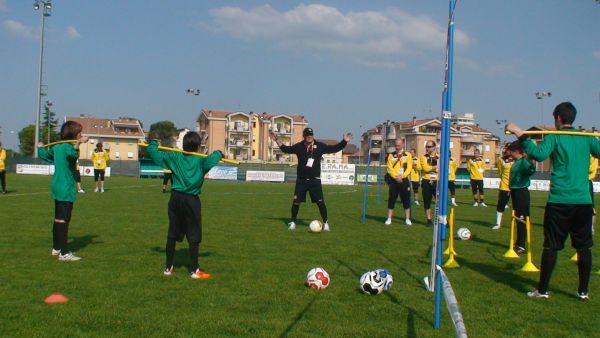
{"points": [[3, 7], [597, 54], [381, 39], [18, 29], [489, 70], [72, 33]]}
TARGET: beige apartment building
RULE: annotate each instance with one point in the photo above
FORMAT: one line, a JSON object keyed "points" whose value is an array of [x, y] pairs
{"points": [[465, 137], [119, 136], [245, 136]]}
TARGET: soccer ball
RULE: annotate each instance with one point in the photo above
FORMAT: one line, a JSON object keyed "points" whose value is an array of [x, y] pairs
{"points": [[317, 278], [371, 283], [315, 226], [463, 233], [386, 276]]}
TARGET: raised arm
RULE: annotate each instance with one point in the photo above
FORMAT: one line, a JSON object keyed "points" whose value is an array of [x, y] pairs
{"points": [[338, 147]]}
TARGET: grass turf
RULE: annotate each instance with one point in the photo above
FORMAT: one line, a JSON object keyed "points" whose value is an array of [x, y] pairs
{"points": [[259, 267]]}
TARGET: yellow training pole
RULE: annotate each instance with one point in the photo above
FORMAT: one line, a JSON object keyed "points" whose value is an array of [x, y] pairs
{"points": [[188, 153], [511, 253], [451, 230], [556, 132], [451, 262], [58, 142], [529, 266], [574, 257]]}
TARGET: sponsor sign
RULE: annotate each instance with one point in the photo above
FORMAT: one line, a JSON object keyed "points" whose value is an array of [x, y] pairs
{"points": [[223, 173], [34, 169], [267, 176], [337, 173], [360, 178]]}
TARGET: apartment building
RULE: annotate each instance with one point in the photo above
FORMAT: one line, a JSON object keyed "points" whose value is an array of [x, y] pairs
{"points": [[245, 136], [119, 136], [465, 137]]}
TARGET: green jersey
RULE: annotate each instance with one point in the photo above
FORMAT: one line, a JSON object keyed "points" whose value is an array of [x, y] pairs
{"points": [[520, 173], [64, 156], [570, 155], [188, 170]]}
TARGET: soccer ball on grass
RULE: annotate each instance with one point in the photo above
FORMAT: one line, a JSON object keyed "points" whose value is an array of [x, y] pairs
{"points": [[315, 226], [317, 278]]}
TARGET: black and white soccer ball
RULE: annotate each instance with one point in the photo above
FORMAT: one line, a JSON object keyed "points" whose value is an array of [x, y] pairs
{"points": [[371, 283], [387, 278]]}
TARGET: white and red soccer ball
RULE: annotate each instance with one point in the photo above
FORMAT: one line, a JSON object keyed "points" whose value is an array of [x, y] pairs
{"points": [[317, 278]]}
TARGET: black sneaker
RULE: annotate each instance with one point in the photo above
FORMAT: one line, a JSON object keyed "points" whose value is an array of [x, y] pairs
{"points": [[519, 249], [429, 223]]}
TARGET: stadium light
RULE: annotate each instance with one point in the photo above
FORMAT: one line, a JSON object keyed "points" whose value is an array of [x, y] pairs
{"points": [[540, 96], [193, 91], [46, 7]]}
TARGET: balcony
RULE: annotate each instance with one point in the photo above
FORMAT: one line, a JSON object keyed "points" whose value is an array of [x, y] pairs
{"points": [[470, 140]]}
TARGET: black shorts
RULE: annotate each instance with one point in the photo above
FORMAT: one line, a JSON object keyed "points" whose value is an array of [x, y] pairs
{"points": [[401, 189], [77, 176], [415, 186], [520, 201], [312, 185], [429, 191], [63, 210], [185, 218], [562, 220], [503, 198], [477, 186], [98, 173]]}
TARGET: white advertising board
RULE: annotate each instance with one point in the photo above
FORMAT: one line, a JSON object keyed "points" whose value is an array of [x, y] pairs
{"points": [[223, 173], [337, 173], [266, 176]]}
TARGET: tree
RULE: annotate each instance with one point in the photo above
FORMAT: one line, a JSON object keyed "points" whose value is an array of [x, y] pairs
{"points": [[164, 131], [26, 139], [49, 124]]}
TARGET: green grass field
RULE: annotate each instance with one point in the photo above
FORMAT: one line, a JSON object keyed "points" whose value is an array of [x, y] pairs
{"points": [[259, 267]]}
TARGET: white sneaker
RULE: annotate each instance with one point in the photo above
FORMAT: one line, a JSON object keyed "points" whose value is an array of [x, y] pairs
{"points": [[388, 221], [454, 204], [407, 221], [102, 190], [96, 190], [55, 252], [291, 226], [168, 271], [68, 257], [81, 191], [475, 204], [496, 227], [482, 204], [537, 294], [326, 226], [417, 202]]}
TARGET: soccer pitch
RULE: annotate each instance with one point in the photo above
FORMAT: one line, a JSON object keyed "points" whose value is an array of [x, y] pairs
{"points": [[259, 267]]}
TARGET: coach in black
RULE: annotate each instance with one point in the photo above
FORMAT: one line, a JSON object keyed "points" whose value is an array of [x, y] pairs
{"points": [[309, 153]]}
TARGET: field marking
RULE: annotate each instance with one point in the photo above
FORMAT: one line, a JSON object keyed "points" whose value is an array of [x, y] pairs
{"points": [[278, 193], [49, 191]]}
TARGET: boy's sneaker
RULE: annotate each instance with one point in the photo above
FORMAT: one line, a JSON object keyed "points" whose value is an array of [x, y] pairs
{"points": [[519, 249], [102, 190], [583, 295], [388, 221], [407, 221], [168, 271], [55, 252], [454, 204], [68, 257], [475, 204], [482, 204], [292, 225], [417, 202], [536, 294], [326, 226], [496, 227], [96, 190], [81, 191], [200, 275]]}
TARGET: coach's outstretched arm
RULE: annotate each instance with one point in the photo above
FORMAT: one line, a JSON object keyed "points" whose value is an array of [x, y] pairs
{"points": [[331, 149]]}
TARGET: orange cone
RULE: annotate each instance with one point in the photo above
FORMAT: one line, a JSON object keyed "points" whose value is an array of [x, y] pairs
{"points": [[56, 298]]}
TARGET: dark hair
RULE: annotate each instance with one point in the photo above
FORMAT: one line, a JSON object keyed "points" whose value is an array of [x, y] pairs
{"points": [[70, 130], [566, 111], [191, 141], [515, 146], [432, 142]]}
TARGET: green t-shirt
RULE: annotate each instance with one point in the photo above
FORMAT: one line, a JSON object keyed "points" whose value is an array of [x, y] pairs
{"points": [[188, 170], [64, 156], [520, 173], [570, 155]]}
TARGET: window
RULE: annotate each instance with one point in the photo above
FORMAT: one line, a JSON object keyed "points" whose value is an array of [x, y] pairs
{"points": [[117, 154], [451, 145], [130, 154], [487, 147]]}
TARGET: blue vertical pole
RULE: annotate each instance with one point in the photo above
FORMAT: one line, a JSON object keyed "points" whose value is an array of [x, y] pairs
{"points": [[366, 187], [382, 154], [444, 158]]}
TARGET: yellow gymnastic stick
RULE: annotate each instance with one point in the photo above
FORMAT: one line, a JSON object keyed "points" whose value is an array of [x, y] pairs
{"points": [[556, 132], [188, 153]]}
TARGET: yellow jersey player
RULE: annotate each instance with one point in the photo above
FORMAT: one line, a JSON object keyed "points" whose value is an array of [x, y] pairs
{"points": [[476, 168], [399, 168]]}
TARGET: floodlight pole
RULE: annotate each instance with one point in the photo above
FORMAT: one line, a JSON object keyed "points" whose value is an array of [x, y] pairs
{"points": [[366, 187], [45, 7]]}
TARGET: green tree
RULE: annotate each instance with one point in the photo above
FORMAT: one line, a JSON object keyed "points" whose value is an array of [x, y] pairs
{"points": [[49, 124], [26, 140], [164, 131]]}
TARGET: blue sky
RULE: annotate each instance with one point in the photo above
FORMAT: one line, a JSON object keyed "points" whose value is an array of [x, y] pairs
{"points": [[342, 64]]}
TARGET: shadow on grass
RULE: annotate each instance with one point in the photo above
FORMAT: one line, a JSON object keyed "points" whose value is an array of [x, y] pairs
{"points": [[78, 243], [485, 241], [182, 255], [507, 275], [301, 314], [286, 220]]}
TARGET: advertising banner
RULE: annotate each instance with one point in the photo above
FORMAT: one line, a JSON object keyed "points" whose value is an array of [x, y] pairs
{"points": [[223, 173], [266, 176], [337, 173]]}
